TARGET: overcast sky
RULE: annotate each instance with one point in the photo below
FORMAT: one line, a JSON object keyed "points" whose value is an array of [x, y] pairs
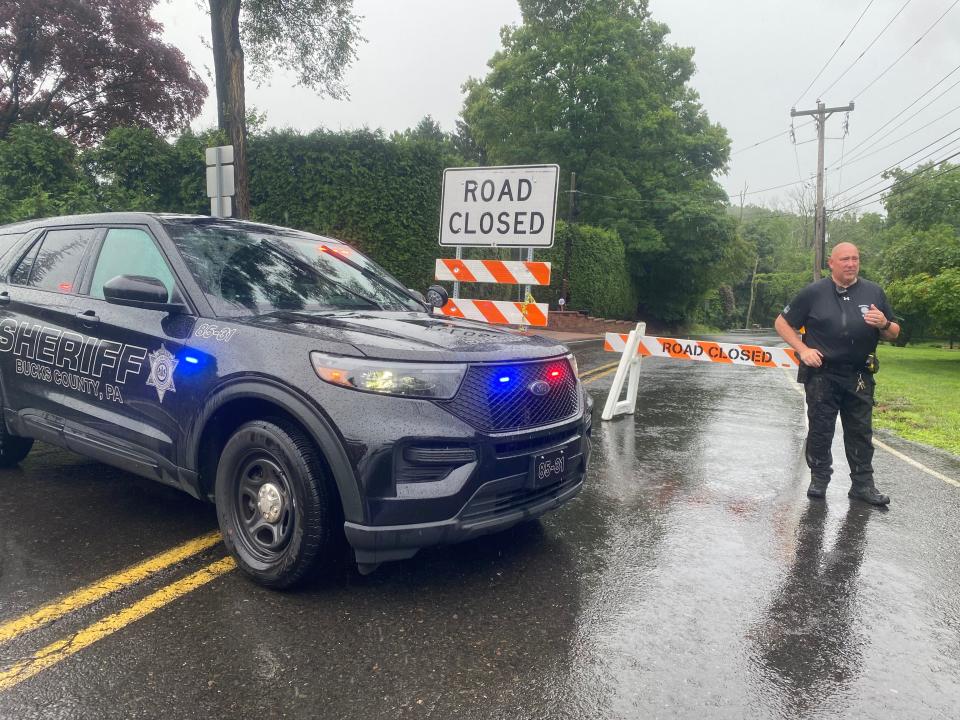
{"points": [[754, 59]]}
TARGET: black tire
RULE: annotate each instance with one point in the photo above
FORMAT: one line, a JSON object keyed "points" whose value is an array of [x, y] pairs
{"points": [[13, 449], [277, 534]]}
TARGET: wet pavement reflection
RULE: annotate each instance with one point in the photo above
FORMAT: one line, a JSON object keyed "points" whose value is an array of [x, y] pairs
{"points": [[806, 646], [691, 578]]}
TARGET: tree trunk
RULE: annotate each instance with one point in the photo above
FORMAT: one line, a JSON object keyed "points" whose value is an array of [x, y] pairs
{"points": [[231, 101]]}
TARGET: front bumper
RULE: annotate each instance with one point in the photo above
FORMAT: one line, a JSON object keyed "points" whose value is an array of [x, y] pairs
{"points": [[504, 500]]}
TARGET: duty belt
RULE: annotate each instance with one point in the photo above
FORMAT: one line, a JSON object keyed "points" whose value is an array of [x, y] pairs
{"points": [[841, 367]]}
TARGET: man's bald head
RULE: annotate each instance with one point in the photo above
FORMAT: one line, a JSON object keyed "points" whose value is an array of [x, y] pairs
{"points": [[844, 264], [844, 248]]}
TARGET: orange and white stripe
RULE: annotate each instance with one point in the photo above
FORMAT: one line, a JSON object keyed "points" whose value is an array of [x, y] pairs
{"points": [[706, 351], [497, 312], [505, 272]]}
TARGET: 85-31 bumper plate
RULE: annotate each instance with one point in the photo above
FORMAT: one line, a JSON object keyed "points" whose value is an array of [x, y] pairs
{"points": [[547, 468]]}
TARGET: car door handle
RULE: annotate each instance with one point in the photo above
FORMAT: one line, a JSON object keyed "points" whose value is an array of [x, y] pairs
{"points": [[4, 298], [88, 317]]}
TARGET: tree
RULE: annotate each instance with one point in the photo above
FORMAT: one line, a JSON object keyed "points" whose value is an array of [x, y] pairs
{"points": [[84, 66], [924, 197], [40, 175], [921, 269], [921, 248], [314, 38], [912, 252], [593, 86], [945, 303], [136, 169]]}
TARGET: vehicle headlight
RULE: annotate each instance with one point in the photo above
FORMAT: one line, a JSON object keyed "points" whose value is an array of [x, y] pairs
{"points": [[573, 364], [435, 381]]}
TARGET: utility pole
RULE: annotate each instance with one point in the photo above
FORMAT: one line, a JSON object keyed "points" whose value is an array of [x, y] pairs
{"points": [[820, 222]]}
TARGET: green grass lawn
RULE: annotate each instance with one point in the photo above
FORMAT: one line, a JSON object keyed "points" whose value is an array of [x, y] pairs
{"points": [[918, 394]]}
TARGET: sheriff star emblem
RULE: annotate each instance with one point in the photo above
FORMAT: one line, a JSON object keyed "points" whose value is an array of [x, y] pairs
{"points": [[162, 365]]}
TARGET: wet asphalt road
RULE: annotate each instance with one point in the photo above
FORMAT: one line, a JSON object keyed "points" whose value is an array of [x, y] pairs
{"points": [[690, 578]]}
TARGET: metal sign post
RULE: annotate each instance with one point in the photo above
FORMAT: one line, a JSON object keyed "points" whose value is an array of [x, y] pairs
{"points": [[220, 185]]}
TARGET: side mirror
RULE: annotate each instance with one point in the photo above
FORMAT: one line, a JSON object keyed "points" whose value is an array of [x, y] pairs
{"points": [[139, 291], [437, 296]]}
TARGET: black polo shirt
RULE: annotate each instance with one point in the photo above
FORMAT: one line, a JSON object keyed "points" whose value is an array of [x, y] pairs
{"points": [[833, 318]]}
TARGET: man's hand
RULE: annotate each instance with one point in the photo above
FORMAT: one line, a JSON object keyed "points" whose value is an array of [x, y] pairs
{"points": [[808, 356], [874, 317], [811, 357]]}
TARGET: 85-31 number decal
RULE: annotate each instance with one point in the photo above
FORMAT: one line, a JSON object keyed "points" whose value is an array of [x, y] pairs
{"points": [[217, 332]]}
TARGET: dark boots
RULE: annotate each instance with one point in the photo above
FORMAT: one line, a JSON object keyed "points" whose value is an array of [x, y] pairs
{"points": [[869, 494], [858, 491], [817, 489]]}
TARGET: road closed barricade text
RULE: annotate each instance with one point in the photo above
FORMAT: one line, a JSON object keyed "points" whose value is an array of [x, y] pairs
{"points": [[707, 351]]}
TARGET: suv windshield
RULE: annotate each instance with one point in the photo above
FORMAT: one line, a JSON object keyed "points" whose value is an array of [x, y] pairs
{"points": [[249, 269]]}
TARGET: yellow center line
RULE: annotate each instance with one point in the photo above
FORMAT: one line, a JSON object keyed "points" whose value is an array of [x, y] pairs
{"points": [[603, 374], [591, 371], [101, 588], [60, 650]]}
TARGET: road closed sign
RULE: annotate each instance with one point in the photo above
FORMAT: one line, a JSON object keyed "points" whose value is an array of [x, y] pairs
{"points": [[511, 206]]}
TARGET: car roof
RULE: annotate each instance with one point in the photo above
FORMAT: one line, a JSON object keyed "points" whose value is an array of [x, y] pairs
{"points": [[140, 217], [111, 217]]}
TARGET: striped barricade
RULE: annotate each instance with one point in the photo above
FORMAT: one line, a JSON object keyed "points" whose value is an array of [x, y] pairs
{"points": [[498, 312], [707, 351], [504, 272]]}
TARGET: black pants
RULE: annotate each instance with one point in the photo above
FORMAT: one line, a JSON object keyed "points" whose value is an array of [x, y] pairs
{"points": [[827, 395]]}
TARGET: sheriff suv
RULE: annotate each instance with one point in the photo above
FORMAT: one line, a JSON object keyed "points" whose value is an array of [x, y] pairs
{"points": [[285, 377]]}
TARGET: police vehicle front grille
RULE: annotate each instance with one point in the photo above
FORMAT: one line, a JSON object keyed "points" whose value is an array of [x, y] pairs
{"points": [[488, 505], [491, 404]]}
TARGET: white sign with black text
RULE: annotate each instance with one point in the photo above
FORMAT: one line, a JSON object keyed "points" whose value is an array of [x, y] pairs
{"points": [[510, 206]]}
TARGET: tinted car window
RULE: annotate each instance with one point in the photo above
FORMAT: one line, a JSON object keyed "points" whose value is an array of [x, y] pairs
{"points": [[54, 261], [129, 251], [8, 241], [256, 269], [21, 273]]}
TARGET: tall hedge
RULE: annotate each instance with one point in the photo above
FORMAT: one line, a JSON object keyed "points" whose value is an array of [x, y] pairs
{"points": [[383, 196], [380, 194], [40, 175], [599, 279]]}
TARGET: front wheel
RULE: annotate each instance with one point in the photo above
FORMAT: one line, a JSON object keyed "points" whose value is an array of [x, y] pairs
{"points": [[276, 506], [13, 449]]}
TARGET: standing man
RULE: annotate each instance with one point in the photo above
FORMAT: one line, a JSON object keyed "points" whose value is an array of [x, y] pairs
{"points": [[844, 317]]}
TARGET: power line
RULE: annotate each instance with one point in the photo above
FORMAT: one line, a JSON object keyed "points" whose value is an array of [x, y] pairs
{"points": [[905, 183], [903, 137], [840, 176], [761, 142], [912, 162], [895, 191], [629, 199], [900, 113], [846, 37], [870, 177], [863, 153], [766, 140], [850, 67], [915, 43], [775, 187]]}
